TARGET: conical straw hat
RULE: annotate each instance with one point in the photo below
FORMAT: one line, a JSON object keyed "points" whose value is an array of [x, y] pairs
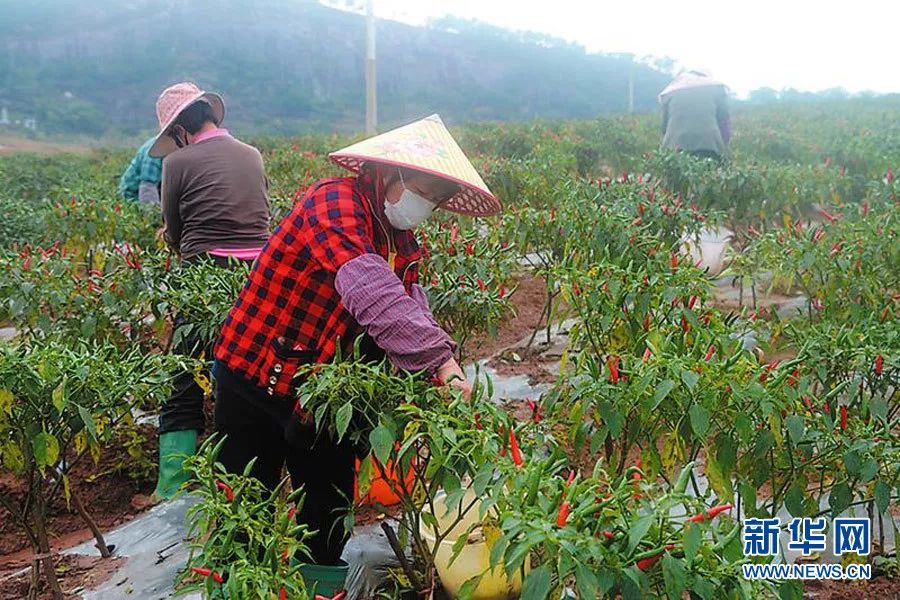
{"points": [[426, 146]]}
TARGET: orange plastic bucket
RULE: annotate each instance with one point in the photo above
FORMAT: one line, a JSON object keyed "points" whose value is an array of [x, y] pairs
{"points": [[380, 491]]}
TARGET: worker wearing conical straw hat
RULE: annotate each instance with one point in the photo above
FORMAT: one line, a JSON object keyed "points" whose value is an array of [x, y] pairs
{"points": [[695, 116], [341, 266]]}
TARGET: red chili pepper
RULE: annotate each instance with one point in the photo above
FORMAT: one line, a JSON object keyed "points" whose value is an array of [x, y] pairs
{"points": [[828, 407], [827, 161], [769, 368], [536, 411], [836, 249], [710, 352], [482, 285], [646, 323], [514, 451], [637, 221], [818, 235], [673, 261], [794, 377], [843, 418], [685, 326], [502, 431], [26, 264], [884, 314], [72, 201], [818, 304], [831, 218], [229, 493], [890, 176], [710, 514], [691, 302], [454, 233], [808, 402], [752, 231], [285, 553], [282, 595], [168, 263], [640, 208], [866, 208], [202, 571], [563, 516], [613, 364], [608, 535], [879, 364], [571, 478], [646, 563], [470, 249], [501, 293], [646, 356], [478, 425], [292, 512]]}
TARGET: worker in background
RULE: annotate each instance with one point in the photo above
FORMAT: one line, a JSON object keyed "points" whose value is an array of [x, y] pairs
{"points": [[141, 180], [215, 208], [695, 115]]}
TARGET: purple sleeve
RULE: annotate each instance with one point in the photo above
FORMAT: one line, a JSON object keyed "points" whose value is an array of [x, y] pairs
{"points": [[399, 324]]}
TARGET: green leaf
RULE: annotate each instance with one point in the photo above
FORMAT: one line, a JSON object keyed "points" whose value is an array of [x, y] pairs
{"points": [[638, 530], [703, 588], [795, 500], [46, 449], [699, 421], [88, 421], [796, 428], [13, 458], [59, 396], [674, 576], [691, 541], [89, 326], [586, 582], [612, 418], [790, 590], [342, 419], [366, 475], [6, 401], [381, 441], [537, 584], [840, 498], [852, 462], [690, 379], [882, 496], [868, 470], [468, 588], [662, 390]]}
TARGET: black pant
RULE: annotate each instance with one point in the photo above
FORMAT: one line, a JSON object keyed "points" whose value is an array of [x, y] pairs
{"points": [[264, 427], [183, 410]]}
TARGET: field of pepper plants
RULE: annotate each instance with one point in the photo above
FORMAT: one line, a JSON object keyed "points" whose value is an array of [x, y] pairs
{"points": [[678, 402]]}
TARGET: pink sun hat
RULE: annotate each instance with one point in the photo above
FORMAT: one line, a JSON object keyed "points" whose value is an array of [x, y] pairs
{"points": [[171, 103]]}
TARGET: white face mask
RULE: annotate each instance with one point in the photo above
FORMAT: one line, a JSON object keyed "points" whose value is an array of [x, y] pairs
{"points": [[410, 211]]}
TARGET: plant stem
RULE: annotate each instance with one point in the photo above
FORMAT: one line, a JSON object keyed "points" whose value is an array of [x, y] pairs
{"points": [[401, 556]]}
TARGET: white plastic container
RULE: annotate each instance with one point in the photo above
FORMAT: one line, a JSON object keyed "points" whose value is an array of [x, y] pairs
{"points": [[473, 560], [709, 249]]}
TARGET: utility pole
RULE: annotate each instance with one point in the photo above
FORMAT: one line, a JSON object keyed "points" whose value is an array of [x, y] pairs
{"points": [[371, 100], [631, 86]]}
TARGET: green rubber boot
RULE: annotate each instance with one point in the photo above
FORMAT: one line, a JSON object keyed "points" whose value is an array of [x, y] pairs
{"points": [[325, 580], [174, 447]]}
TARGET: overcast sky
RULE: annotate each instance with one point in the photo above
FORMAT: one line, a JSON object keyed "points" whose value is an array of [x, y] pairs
{"points": [[805, 44]]}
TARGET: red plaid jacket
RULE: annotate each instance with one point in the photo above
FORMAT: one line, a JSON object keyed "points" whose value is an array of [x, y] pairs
{"points": [[289, 312]]}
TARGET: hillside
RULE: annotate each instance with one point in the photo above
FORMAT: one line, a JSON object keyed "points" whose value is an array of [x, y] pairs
{"points": [[95, 66]]}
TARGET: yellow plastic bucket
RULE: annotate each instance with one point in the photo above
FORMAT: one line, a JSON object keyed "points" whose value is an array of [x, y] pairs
{"points": [[473, 560]]}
